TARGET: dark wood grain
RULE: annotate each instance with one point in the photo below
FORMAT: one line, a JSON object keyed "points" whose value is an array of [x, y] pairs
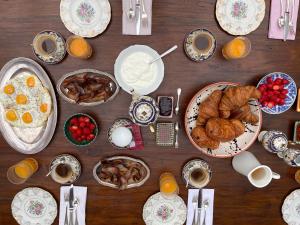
{"points": [[236, 201]]}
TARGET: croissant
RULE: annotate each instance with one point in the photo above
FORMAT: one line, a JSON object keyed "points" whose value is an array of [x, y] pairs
{"points": [[202, 140], [224, 130], [244, 114], [236, 97], [209, 108]]}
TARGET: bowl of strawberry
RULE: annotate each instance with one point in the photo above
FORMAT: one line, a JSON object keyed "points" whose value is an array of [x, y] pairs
{"points": [[81, 129], [278, 92]]}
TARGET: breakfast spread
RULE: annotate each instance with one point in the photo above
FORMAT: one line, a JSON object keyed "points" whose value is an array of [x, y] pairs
{"points": [[222, 114], [26, 102]]}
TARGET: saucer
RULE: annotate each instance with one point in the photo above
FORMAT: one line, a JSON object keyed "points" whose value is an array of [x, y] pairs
{"points": [[143, 111], [195, 53], [72, 162], [192, 165], [59, 47], [118, 123]]}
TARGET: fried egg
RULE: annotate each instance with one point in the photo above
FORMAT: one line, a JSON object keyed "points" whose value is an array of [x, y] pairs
{"points": [[27, 103]]}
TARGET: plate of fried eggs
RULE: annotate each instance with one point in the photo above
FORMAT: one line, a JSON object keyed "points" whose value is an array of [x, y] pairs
{"points": [[28, 106]]}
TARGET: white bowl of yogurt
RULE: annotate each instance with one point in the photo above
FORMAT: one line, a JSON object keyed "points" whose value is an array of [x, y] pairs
{"points": [[134, 73]]}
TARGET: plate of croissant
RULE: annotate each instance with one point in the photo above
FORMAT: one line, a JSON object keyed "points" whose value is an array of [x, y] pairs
{"points": [[224, 119]]}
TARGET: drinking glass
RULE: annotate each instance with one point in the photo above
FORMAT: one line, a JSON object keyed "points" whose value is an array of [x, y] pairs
{"points": [[22, 171], [237, 48], [168, 184], [83, 48]]}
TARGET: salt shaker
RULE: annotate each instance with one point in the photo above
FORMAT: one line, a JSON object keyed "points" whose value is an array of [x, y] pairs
{"points": [[273, 141], [290, 156]]}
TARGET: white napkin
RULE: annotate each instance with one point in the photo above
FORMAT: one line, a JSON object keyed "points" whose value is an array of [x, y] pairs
{"points": [[207, 194], [80, 193], [129, 26]]}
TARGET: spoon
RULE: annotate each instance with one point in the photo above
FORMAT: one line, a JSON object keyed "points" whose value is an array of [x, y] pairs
{"points": [[61, 161], [164, 54], [178, 98]]}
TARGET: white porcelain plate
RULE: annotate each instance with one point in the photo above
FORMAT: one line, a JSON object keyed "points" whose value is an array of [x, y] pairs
{"points": [[159, 210], [151, 86], [240, 17], [226, 149], [86, 18], [34, 206], [291, 208]]}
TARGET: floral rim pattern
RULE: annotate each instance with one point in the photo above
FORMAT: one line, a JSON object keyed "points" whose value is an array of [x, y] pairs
{"points": [[240, 17], [85, 18], [33, 206], [159, 210], [291, 208]]}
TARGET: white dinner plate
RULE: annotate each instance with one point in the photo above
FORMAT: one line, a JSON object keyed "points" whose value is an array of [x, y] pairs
{"points": [[151, 86], [86, 18], [291, 208], [240, 17], [34, 206]]}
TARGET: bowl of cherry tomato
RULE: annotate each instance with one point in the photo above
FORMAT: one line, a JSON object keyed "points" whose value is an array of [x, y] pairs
{"points": [[81, 129]]}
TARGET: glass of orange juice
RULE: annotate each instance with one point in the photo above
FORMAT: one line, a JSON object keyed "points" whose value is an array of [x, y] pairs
{"points": [[237, 48], [168, 184], [78, 47], [22, 171]]}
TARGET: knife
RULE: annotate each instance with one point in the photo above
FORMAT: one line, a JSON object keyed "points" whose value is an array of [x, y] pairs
{"points": [[138, 17], [199, 206], [286, 20], [71, 204]]}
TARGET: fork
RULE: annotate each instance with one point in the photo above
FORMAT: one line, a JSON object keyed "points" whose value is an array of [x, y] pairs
{"points": [[66, 215], [194, 203], [144, 14]]}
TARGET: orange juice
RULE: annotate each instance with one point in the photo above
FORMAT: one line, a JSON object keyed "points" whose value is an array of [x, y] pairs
{"points": [[168, 184], [20, 172], [237, 48], [78, 47]]}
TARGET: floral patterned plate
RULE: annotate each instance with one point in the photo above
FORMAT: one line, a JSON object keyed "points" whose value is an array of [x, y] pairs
{"points": [[291, 208], [160, 210], [34, 206], [227, 149], [240, 17], [86, 18], [291, 96]]}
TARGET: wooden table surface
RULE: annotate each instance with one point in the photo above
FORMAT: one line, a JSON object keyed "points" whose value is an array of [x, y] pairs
{"points": [[236, 201]]}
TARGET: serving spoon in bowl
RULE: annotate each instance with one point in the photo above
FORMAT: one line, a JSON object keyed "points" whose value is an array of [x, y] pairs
{"points": [[164, 54]]}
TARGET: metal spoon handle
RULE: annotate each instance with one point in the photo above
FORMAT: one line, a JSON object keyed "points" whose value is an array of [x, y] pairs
{"points": [[204, 220], [66, 216], [76, 218], [164, 54]]}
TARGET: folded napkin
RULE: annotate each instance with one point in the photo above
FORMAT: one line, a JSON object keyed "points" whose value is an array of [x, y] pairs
{"points": [[80, 193], [137, 143], [129, 26], [275, 31], [207, 194]]}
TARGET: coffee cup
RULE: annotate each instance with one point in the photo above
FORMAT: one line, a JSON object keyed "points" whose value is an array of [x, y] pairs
{"points": [[258, 175], [62, 173]]}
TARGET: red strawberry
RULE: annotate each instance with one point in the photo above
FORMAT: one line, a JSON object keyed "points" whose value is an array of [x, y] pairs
{"points": [[284, 91], [282, 102], [285, 81], [270, 86], [282, 96], [269, 80], [271, 104], [276, 87], [278, 81], [82, 124], [86, 131]]}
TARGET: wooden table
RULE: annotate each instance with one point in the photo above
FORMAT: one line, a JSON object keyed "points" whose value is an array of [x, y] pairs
{"points": [[236, 201]]}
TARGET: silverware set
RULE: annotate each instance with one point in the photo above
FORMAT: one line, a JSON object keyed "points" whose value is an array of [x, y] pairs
{"points": [[285, 20], [137, 13], [72, 204], [199, 206]]}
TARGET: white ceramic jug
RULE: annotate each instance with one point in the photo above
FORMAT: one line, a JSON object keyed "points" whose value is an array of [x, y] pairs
{"points": [[259, 175]]}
